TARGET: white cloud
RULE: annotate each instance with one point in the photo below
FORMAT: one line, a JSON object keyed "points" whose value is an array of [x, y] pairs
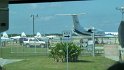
{"points": [[34, 6], [55, 4], [47, 18]]}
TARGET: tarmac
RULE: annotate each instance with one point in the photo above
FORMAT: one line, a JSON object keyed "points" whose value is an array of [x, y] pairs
{"points": [[8, 61]]}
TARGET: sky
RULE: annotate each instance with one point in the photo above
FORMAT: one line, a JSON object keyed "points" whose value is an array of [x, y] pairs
{"points": [[100, 14]]}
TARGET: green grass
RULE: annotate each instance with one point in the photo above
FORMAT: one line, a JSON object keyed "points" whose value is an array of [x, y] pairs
{"points": [[41, 61], [21, 52], [46, 63]]}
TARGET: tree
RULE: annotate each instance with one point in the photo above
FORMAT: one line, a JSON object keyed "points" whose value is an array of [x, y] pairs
{"points": [[60, 50]]}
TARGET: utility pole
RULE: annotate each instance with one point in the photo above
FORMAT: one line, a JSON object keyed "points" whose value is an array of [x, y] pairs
{"points": [[93, 38], [33, 21], [67, 36], [122, 11]]}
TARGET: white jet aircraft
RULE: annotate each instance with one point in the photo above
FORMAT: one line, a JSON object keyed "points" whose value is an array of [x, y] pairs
{"points": [[4, 36], [23, 34], [38, 35]]}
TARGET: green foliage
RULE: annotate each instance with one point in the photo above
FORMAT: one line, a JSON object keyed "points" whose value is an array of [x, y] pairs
{"points": [[59, 52]]}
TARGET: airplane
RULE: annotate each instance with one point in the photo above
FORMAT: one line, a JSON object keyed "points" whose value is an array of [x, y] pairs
{"points": [[78, 29], [38, 35], [15, 37], [23, 34], [51, 36], [4, 36], [18, 37], [111, 33]]}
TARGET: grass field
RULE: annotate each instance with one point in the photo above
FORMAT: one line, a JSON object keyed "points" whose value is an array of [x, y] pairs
{"points": [[41, 61], [46, 63]]}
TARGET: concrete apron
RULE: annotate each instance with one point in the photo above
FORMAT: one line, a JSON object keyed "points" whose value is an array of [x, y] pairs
{"points": [[7, 61], [112, 52]]}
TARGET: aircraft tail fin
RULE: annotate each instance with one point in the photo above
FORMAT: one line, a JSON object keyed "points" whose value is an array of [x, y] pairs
{"points": [[23, 34], [76, 23], [5, 35]]}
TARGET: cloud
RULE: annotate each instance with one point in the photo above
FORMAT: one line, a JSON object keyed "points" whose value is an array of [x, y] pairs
{"points": [[55, 4], [47, 18], [34, 6]]}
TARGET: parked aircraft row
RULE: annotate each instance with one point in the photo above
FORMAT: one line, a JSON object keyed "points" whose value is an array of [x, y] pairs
{"points": [[23, 35], [38, 35]]}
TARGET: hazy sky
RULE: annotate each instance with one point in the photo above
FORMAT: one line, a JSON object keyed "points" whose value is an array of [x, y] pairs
{"points": [[99, 13]]}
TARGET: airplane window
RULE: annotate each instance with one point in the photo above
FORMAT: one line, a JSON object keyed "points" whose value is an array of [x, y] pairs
{"points": [[73, 35]]}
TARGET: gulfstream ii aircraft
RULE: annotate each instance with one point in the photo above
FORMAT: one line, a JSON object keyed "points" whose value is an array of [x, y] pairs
{"points": [[81, 30]]}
